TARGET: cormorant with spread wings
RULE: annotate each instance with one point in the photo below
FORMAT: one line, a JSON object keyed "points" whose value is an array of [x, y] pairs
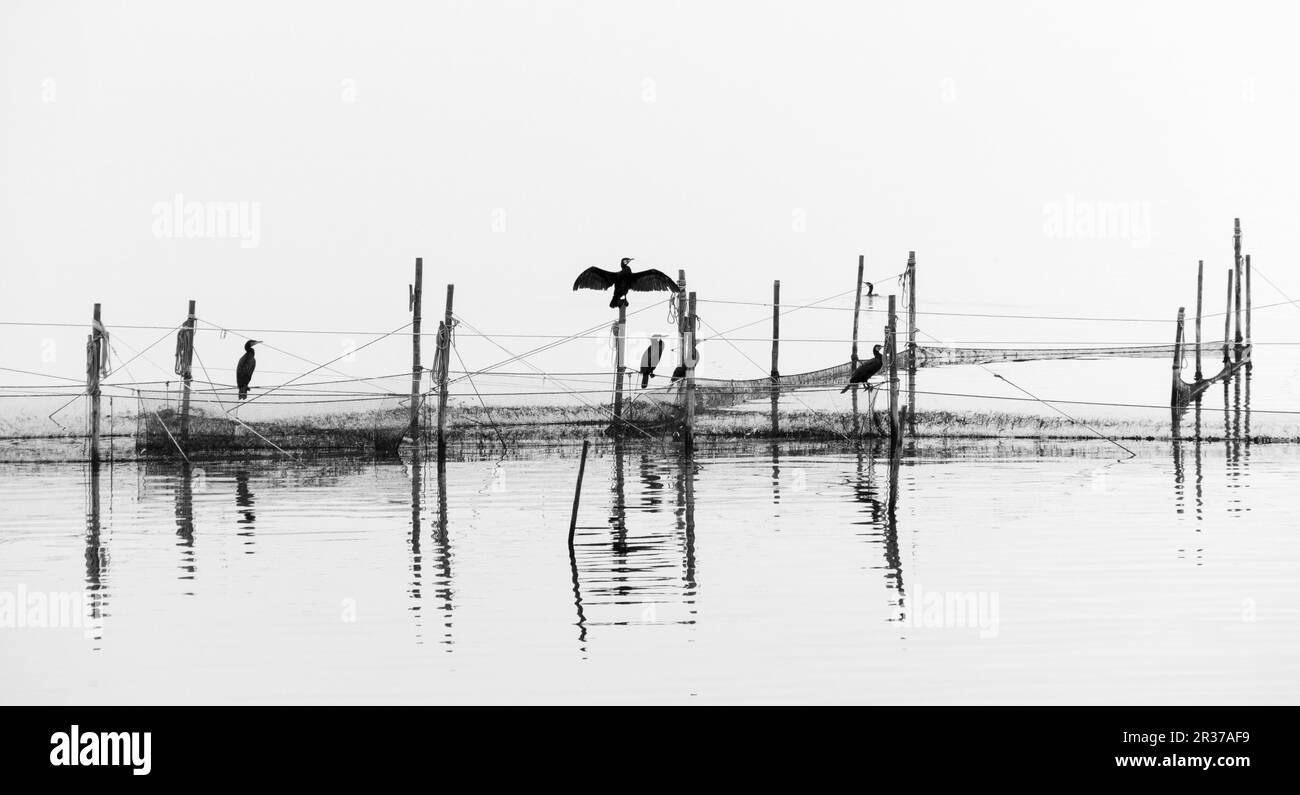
{"points": [[624, 280]]}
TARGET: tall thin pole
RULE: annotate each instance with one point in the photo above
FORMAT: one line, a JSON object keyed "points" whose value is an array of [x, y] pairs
{"points": [[1175, 394], [776, 347], [187, 377], [417, 372], [1236, 255], [681, 319], [620, 343], [1200, 289], [1227, 322], [1250, 364], [893, 369], [577, 492], [857, 307], [911, 342], [444, 350], [96, 357], [690, 372], [853, 351]]}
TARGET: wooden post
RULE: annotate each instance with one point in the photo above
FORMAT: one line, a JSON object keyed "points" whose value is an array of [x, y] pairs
{"points": [[1200, 287], [893, 370], [620, 342], [776, 346], [1236, 256], [444, 352], [853, 351], [690, 373], [1176, 392], [857, 307], [911, 342], [681, 318], [187, 357], [417, 372], [1250, 364], [96, 356], [577, 492], [1227, 322]]}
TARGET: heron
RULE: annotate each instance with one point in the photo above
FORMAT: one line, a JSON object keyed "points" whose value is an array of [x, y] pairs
{"points": [[624, 280], [867, 369], [244, 370]]}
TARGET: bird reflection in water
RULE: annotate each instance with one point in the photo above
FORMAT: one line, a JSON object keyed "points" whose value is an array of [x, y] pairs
{"points": [[244, 501]]}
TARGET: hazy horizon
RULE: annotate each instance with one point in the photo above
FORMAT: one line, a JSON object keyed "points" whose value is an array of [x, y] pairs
{"points": [[513, 147]]}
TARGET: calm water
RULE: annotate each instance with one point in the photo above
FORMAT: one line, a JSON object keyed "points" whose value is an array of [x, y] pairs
{"points": [[764, 573]]}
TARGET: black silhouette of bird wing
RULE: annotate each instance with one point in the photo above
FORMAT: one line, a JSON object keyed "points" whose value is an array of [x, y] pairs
{"points": [[594, 278], [648, 280]]}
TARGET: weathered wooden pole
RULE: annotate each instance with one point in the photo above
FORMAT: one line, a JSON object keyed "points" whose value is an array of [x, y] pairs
{"points": [[681, 319], [1236, 255], [857, 307], [1177, 389], [911, 342], [417, 372], [444, 352], [1227, 323], [776, 347], [893, 370], [620, 343], [853, 351], [186, 374], [1200, 287], [1250, 364], [95, 357], [689, 435], [577, 492]]}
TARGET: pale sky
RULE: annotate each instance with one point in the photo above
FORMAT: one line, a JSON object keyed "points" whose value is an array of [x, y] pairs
{"points": [[512, 145]]}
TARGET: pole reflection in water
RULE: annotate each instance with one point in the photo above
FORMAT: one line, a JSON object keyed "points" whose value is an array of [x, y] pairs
{"points": [[184, 491], [1199, 466], [244, 501], [442, 555], [642, 571], [686, 523], [1176, 438], [776, 473], [96, 556], [882, 517]]}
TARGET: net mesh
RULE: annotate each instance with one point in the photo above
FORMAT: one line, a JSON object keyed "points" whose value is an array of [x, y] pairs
{"points": [[292, 420]]}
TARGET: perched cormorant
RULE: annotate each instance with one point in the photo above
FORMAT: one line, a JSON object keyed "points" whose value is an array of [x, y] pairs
{"points": [[679, 372], [871, 289], [650, 359], [244, 370], [867, 369], [623, 280]]}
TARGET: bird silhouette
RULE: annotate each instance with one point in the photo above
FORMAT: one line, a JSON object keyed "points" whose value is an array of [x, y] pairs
{"points": [[623, 280], [679, 372], [244, 370], [867, 369], [650, 359]]}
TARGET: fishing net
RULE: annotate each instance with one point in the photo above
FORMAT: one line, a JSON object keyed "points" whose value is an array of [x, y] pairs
{"points": [[717, 392], [291, 419]]}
